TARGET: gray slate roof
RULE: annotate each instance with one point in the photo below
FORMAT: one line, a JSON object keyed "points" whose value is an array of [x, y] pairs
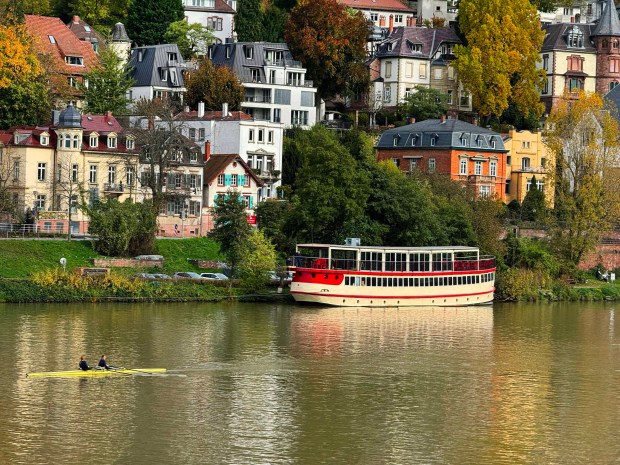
{"points": [[613, 96], [429, 39], [556, 37], [608, 24], [452, 133], [155, 57], [241, 65], [119, 34]]}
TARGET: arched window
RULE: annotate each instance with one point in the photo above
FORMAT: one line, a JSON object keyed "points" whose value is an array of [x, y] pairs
{"points": [[76, 141], [613, 84], [605, 44], [575, 37], [67, 141]]}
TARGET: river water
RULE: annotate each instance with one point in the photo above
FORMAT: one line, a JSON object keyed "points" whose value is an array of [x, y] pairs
{"points": [[279, 384]]}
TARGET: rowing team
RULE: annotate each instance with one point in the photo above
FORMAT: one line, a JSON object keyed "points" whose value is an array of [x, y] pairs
{"points": [[102, 365]]}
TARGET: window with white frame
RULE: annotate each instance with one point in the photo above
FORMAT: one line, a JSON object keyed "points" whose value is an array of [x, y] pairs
{"points": [[422, 70], [111, 142], [493, 168], [76, 141], [130, 143], [74, 172], [387, 94], [478, 168], [41, 171], [111, 174], [398, 19], [261, 136], [92, 174], [16, 170], [93, 140], [431, 165], [193, 156], [484, 191], [463, 167], [299, 117], [388, 69], [251, 135], [233, 180], [130, 175], [277, 115], [220, 179], [270, 137], [44, 140], [40, 201], [163, 74], [247, 179]]}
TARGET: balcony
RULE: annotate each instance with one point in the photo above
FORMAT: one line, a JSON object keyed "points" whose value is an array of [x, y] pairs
{"points": [[114, 188]]}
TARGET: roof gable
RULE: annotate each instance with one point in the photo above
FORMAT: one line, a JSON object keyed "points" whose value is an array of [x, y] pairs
{"points": [[216, 164]]}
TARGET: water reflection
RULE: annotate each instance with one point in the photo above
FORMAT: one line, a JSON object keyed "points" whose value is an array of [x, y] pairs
{"points": [[306, 385]]}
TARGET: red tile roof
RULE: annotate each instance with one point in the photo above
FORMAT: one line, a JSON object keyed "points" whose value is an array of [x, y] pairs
{"points": [[216, 164], [66, 43], [102, 124], [377, 5]]}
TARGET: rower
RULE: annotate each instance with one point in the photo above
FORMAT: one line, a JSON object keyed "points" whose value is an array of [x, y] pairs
{"points": [[83, 364], [102, 363]]}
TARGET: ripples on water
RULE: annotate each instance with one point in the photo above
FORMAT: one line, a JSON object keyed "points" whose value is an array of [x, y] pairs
{"points": [[299, 385]]}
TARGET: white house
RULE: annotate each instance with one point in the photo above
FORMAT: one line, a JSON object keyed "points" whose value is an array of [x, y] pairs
{"points": [[257, 142], [276, 88], [217, 15]]}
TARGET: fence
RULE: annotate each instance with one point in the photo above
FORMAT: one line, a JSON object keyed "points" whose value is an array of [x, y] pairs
{"points": [[12, 231]]}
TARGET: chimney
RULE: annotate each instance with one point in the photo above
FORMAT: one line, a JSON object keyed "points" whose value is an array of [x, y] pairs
{"points": [[207, 150], [443, 119], [108, 114], [224, 110], [186, 109], [391, 27], [201, 109], [411, 120]]}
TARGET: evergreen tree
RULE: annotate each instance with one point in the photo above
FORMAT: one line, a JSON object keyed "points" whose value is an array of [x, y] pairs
{"points": [[533, 207], [231, 228], [248, 21], [108, 84], [148, 20]]}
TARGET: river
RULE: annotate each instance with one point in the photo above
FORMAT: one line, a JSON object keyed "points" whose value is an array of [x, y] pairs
{"points": [[280, 384]]}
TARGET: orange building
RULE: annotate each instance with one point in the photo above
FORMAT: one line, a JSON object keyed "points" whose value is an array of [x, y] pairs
{"points": [[470, 154]]}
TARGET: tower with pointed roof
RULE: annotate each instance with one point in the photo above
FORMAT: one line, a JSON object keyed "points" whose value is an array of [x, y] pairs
{"points": [[606, 38], [120, 43]]}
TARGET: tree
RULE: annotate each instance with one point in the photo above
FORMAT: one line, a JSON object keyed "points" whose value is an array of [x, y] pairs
{"points": [[17, 8], [582, 139], [148, 20], [533, 207], [120, 226], [330, 191], [108, 84], [498, 64], [231, 228], [258, 259], [248, 21], [158, 134], [330, 41], [274, 22], [24, 96], [275, 219], [192, 39], [8, 206], [425, 103], [214, 85]]}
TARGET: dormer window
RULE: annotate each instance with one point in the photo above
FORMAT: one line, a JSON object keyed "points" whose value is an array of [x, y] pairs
{"points": [[575, 37], [163, 74], [74, 60], [492, 143], [414, 47], [389, 46], [44, 139], [112, 141], [130, 143], [93, 140], [479, 141], [463, 140], [434, 138], [249, 52], [172, 58], [140, 55], [396, 139]]}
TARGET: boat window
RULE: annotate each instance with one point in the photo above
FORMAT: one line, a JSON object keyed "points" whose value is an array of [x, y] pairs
{"points": [[406, 282], [416, 283], [344, 259], [385, 283], [371, 261], [442, 261], [395, 262], [419, 262]]}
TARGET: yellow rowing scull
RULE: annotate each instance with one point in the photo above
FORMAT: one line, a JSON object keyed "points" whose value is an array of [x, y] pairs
{"points": [[88, 373]]}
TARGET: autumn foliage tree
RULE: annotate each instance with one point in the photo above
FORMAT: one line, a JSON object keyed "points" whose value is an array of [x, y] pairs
{"points": [[214, 85], [582, 136], [330, 40], [24, 97], [498, 63]]}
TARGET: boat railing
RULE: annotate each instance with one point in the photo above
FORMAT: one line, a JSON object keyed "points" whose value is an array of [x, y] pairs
{"points": [[322, 263]]}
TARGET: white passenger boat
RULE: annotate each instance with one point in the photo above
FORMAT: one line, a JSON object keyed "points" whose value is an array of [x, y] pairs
{"points": [[348, 275]]}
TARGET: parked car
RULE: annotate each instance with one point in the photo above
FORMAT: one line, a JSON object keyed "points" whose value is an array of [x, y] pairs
{"points": [[144, 275], [186, 275], [160, 276], [214, 276]]}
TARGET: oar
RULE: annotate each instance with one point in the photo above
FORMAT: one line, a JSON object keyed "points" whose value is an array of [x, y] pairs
{"points": [[137, 371]]}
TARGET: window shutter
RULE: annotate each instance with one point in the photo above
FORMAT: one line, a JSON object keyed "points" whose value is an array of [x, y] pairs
{"points": [[227, 179], [241, 180], [251, 202]]}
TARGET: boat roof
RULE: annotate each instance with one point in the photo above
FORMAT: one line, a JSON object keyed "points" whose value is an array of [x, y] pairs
{"points": [[457, 248]]}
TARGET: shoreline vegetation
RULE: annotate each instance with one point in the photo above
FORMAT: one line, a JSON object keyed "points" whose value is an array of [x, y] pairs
{"points": [[30, 271]]}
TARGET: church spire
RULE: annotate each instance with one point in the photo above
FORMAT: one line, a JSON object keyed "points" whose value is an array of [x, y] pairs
{"points": [[608, 24]]}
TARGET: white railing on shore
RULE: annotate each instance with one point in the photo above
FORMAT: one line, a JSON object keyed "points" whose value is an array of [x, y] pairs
{"points": [[12, 231]]}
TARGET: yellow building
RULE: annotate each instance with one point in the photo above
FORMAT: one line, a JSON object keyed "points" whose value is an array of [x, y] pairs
{"points": [[527, 157]]}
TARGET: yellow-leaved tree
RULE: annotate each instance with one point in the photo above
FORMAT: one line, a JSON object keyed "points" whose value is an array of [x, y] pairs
{"points": [[582, 136], [498, 63], [24, 96]]}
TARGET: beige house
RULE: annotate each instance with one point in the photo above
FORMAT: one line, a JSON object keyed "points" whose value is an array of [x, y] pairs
{"points": [[77, 157], [224, 173], [527, 157]]}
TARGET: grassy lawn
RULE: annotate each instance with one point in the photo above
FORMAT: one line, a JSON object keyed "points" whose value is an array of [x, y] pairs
{"points": [[20, 258]]}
